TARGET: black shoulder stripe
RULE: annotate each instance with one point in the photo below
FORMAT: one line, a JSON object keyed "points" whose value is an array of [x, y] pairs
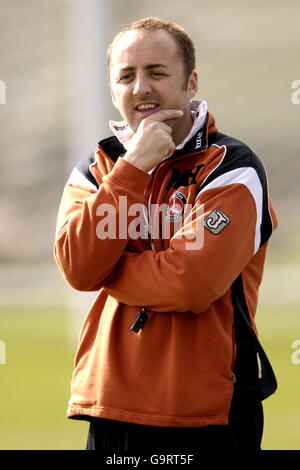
{"points": [[112, 147], [84, 167], [239, 155]]}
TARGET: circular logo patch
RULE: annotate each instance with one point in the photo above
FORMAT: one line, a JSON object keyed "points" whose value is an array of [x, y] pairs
{"points": [[176, 206]]}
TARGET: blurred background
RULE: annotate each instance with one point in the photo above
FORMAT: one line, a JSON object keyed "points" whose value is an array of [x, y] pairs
{"points": [[54, 107]]}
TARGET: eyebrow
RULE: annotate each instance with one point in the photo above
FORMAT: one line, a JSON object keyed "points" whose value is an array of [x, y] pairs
{"points": [[148, 67]]}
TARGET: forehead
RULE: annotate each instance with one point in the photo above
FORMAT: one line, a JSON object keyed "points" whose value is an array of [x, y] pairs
{"points": [[136, 48]]}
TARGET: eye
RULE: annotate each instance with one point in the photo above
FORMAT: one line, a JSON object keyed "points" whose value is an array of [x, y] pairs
{"points": [[158, 74], [127, 77]]}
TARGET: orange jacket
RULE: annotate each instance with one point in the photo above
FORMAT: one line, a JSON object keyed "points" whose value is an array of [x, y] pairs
{"points": [[197, 358]]}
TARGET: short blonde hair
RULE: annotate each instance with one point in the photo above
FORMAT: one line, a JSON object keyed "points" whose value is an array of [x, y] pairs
{"points": [[153, 24]]}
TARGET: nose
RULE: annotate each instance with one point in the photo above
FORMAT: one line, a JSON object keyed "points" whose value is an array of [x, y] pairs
{"points": [[142, 86]]}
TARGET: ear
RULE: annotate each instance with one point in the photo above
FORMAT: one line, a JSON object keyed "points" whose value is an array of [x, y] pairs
{"points": [[192, 84]]}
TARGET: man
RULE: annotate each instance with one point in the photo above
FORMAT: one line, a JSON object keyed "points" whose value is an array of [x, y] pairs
{"points": [[169, 221]]}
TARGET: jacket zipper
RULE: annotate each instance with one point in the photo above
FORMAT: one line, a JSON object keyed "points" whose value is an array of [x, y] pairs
{"points": [[140, 320], [142, 316]]}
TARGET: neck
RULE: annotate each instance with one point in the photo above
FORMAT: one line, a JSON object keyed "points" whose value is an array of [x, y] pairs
{"points": [[181, 128]]}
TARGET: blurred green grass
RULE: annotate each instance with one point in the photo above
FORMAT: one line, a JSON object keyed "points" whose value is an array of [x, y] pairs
{"points": [[35, 381], [278, 328]]}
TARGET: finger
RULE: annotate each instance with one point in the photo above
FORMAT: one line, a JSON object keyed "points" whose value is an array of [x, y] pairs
{"points": [[165, 114]]}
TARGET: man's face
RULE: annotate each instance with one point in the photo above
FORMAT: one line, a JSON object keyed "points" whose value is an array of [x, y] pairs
{"points": [[147, 75]]}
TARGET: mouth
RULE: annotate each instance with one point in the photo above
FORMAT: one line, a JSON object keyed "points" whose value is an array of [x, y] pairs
{"points": [[146, 109]]}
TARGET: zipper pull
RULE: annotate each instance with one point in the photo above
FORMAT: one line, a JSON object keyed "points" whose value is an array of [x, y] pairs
{"points": [[140, 320]]}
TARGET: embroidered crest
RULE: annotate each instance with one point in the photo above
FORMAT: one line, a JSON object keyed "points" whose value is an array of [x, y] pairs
{"points": [[176, 206], [216, 221]]}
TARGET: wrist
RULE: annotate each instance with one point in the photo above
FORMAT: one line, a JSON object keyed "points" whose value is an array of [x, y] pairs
{"points": [[137, 161]]}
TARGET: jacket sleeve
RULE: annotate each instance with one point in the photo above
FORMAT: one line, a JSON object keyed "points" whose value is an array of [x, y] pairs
{"points": [[84, 255], [182, 279]]}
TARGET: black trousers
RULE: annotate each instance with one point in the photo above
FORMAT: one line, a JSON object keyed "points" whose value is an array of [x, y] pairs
{"points": [[243, 434]]}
